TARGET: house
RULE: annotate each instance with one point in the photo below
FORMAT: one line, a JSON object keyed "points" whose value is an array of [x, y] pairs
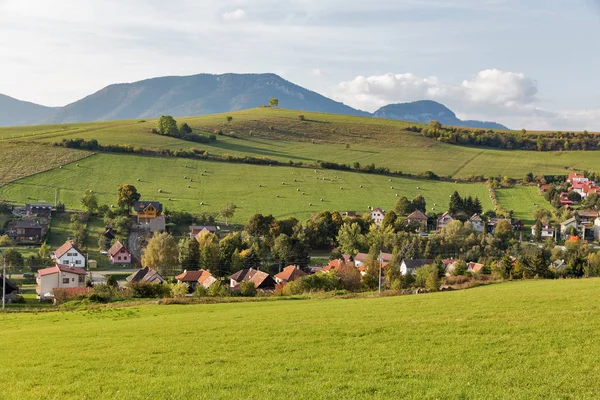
{"points": [[118, 254], [191, 278], [597, 228], [377, 215], [43, 210], [477, 223], [517, 224], [145, 275], [289, 274], [334, 265], [147, 210], [68, 254], [158, 224], [11, 289], [558, 265], [587, 217], [474, 267], [565, 227], [27, 231], [409, 267], [361, 258], [418, 218], [108, 232], [206, 279], [199, 230], [576, 177], [547, 231], [493, 222], [58, 277], [443, 221], [262, 280]]}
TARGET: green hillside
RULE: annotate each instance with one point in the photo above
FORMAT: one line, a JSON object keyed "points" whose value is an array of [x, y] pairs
{"points": [[519, 340], [281, 135], [252, 188]]}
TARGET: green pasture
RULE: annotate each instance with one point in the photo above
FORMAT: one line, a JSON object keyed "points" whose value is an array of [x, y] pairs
{"points": [[523, 200], [518, 340], [253, 188], [279, 134]]}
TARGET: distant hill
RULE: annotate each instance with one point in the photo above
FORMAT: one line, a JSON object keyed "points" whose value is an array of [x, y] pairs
{"points": [[204, 94], [425, 111], [15, 112], [195, 95]]}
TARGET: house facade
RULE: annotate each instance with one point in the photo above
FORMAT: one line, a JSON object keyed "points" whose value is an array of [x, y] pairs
{"points": [[409, 267], [43, 210], [289, 274], [68, 254], [147, 210], [547, 231], [377, 215], [566, 227], [145, 275], [443, 221], [27, 231], [477, 223], [58, 277], [417, 218], [261, 280], [118, 254]]}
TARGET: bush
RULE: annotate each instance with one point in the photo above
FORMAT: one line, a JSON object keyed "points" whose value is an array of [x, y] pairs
{"points": [[218, 289], [423, 273], [320, 282], [301, 118], [200, 291], [149, 290], [179, 289], [19, 300], [247, 289]]}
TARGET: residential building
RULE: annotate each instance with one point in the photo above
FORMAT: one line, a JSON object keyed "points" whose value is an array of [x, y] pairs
{"points": [[474, 267], [43, 210], [444, 220], [27, 231], [206, 279], [576, 177], [68, 254], [11, 289], [409, 267], [377, 215], [547, 231], [147, 210], [58, 277], [199, 230], [597, 228], [418, 218], [565, 227], [191, 278], [118, 254], [145, 275], [477, 223], [558, 265], [262, 280], [289, 274], [361, 258]]}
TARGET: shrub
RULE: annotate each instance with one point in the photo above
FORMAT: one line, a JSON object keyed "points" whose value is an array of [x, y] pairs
{"points": [[247, 289], [301, 118], [149, 290], [111, 281], [200, 291], [179, 289], [218, 289], [320, 282], [423, 273], [19, 300]]}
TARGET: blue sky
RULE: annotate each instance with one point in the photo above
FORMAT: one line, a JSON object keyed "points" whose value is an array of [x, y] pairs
{"points": [[529, 64]]}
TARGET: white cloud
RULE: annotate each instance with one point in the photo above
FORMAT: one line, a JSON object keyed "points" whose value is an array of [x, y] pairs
{"points": [[237, 15]]}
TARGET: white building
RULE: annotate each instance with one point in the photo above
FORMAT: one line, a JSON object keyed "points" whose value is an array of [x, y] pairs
{"points": [[69, 255], [547, 231], [477, 223], [377, 215], [58, 277]]}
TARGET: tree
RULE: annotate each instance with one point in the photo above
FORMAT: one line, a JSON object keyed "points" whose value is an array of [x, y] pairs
{"points": [[44, 253], [542, 214], [403, 206], [456, 204], [503, 230], [424, 273], [185, 128], [127, 196], [229, 118], [111, 281], [6, 241], [167, 126], [209, 253], [13, 259], [349, 277], [228, 211], [538, 230], [506, 266], [350, 238], [418, 203], [228, 246], [282, 249], [460, 268], [273, 102], [180, 289], [389, 220], [161, 254], [90, 201], [189, 253], [247, 289]]}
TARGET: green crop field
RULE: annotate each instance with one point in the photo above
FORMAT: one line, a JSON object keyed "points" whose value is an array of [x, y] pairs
{"points": [[237, 183], [518, 340], [523, 200], [279, 134]]}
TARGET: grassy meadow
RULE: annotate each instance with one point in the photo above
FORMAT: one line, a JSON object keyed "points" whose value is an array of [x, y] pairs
{"points": [[252, 188], [518, 340], [279, 134], [523, 200]]}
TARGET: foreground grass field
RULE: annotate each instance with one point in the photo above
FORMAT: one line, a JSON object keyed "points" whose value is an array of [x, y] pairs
{"points": [[252, 188], [279, 134], [519, 340]]}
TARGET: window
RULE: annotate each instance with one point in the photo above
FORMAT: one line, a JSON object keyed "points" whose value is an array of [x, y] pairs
{"points": [[81, 278], [65, 281], [72, 279], [119, 258], [77, 261]]}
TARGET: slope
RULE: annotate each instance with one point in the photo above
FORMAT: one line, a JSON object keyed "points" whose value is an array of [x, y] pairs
{"points": [[15, 112]]}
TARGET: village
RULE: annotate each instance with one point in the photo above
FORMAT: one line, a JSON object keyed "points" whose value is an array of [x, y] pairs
{"points": [[268, 254]]}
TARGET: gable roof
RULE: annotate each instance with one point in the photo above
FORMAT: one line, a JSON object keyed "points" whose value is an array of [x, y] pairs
{"points": [[261, 280], [27, 224], [116, 248], [9, 285], [445, 215], [206, 279], [62, 250], [377, 209], [190, 276], [569, 221], [475, 267], [145, 275], [44, 206], [290, 273], [417, 215], [61, 268], [414, 264], [142, 205], [476, 218], [362, 257], [210, 228]]}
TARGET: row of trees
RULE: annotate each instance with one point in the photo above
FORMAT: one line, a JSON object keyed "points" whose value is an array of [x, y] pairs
{"points": [[167, 125]]}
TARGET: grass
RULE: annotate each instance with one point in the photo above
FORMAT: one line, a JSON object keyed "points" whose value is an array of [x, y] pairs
{"points": [[237, 183], [18, 160], [279, 134], [523, 200], [519, 340]]}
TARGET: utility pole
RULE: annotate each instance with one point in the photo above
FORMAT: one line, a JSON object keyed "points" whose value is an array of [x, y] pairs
{"points": [[4, 284], [380, 267]]}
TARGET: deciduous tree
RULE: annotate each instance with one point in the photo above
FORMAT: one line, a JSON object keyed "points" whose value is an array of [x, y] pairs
{"points": [[127, 196], [161, 254]]}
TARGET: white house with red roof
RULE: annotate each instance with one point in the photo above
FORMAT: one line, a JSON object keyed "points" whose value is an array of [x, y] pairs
{"points": [[58, 277], [68, 254]]}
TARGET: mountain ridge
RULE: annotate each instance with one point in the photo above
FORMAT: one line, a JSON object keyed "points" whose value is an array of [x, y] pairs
{"points": [[203, 94]]}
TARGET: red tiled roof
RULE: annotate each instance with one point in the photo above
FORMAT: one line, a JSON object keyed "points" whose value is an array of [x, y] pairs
{"points": [[61, 268], [190, 276], [418, 215], [290, 273], [204, 276]]}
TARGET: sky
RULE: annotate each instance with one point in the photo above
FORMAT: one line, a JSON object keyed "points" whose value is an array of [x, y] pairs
{"points": [[527, 64]]}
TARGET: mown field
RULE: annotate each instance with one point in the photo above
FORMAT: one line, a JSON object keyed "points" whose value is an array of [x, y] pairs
{"points": [[519, 340], [279, 134], [523, 200], [252, 188], [20, 160]]}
